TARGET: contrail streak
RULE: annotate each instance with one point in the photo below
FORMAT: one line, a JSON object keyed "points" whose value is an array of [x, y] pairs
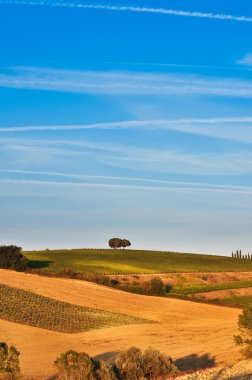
{"points": [[130, 179], [164, 11], [119, 186], [166, 123]]}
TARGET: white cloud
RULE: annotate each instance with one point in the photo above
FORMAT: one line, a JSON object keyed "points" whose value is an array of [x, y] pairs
{"points": [[246, 60], [168, 160], [194, 188], [162, 11], [230, 128], [127, 179], [123, 83]]}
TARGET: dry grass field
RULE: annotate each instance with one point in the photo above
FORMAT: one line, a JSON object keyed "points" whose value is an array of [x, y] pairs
{"points": [[194, 332]]}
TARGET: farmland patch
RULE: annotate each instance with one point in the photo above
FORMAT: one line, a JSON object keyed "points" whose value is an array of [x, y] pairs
{"points": [[21, 306]]}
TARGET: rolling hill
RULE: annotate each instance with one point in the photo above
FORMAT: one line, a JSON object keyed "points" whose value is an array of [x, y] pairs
{"points": [[132, 261]]}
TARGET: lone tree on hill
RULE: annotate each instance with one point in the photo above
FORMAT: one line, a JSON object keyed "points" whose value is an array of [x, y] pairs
{"points": [[115, 243], [125, 243], [119, 243]]}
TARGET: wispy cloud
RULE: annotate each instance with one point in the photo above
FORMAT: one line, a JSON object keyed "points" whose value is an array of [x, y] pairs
{"points": [[194, 188], [230, 128], [182, 184], [123, 83], [169, 160], [246, 60], [119, 8], [127, 179]]}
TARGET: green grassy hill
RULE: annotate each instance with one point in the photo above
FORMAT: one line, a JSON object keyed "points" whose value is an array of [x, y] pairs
{"points": [[132, 261]]}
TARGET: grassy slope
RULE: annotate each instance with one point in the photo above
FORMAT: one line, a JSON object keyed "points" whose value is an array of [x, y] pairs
{"points": [[200, 288], [131, 261]]}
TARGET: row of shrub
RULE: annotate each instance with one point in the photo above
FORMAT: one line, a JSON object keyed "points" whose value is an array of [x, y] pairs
{"points": [[132, 364], [154, 287]]}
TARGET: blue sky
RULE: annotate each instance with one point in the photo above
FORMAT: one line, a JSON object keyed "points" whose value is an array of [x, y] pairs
{"points": [[129, 119]]}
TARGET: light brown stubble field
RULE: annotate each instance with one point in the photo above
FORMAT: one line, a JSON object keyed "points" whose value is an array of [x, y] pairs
{"points": [[184, 328]]}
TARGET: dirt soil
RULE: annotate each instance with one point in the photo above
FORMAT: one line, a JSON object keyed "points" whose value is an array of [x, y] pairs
{"points": [[188, 278], [239, 371], [222, 294], [185, 330]]}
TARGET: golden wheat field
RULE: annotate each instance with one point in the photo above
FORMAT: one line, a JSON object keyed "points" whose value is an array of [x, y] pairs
{"points": [[183, 329]]}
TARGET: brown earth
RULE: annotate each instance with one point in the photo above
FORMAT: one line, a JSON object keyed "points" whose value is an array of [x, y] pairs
{"points": [[185, 330], [187, 278], [222, 294]]}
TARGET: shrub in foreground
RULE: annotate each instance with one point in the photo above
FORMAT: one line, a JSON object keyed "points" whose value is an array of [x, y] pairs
{"points": [[245, 339], [132, 364], [73, 365], [12, 258], [9, 362]]}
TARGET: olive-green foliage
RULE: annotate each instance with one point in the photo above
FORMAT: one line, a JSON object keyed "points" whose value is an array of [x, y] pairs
{"points": [[9, 362], [36, 310], [125, 243], [119, 243], [111, 261], [156, 364], [12, 258], [157, 287], [199, 288], [129, 364], [73, 365], [103, 372], [115, 243], [133, 364], [245, 325]]}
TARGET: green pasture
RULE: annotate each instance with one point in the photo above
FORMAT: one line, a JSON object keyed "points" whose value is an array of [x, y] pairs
{"points": [[107, 261]]}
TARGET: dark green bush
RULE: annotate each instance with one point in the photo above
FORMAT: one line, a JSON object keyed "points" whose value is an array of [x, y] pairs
{"points": [[12, 258], [168, 288], [9, 362], [114, 282], [157, 287]]}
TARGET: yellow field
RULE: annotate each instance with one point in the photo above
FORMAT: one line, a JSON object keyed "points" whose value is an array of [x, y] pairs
{"points": [[183, 329]]}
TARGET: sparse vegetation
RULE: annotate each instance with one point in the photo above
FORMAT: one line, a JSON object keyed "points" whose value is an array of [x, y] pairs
{"points": [[9, 362], [200, 288], [12, 258], [28, 308]]}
